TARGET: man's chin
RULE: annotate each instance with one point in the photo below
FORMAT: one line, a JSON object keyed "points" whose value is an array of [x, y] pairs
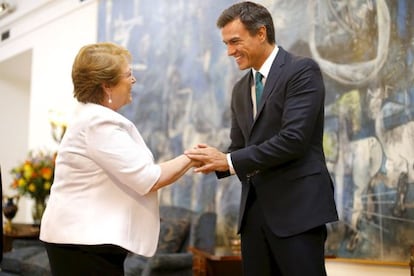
{"points": [[242, 66]]}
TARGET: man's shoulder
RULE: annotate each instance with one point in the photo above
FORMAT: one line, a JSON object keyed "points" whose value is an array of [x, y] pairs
{"points": [[295, 59], [245, 79]]}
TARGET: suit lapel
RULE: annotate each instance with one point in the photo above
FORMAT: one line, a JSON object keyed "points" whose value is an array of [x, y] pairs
{"points": [[271, 82], [248, 104]]}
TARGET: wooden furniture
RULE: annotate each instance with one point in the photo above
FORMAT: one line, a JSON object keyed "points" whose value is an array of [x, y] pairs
{"points": [[220, 262], [412, 260], [1, 219], [20, 231]]}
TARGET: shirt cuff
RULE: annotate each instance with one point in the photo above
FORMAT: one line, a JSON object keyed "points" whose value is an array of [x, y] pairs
{"points": [[231, 168]]}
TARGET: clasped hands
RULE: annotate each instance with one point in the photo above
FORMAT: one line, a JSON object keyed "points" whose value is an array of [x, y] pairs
{"points": [[209, 159]]}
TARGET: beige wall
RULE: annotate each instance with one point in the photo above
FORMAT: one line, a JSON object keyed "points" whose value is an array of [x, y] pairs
{"points": [[344, 267], [35, 67]]}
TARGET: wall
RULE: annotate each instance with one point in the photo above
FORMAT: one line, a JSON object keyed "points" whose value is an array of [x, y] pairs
{"points": [[183, 95], [15, 102], [345, 268], [52, 33]]}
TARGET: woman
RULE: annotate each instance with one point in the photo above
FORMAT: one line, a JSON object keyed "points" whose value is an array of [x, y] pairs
{"points": [[103, 201]]}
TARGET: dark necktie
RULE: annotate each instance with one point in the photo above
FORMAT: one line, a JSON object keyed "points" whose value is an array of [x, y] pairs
{"points": [[259, 89]]}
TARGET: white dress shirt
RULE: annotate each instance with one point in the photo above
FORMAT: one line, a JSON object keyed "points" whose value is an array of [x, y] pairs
{"points": [[264, 70], [100, 195]]}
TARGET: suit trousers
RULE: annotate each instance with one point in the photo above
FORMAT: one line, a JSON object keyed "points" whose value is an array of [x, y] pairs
{"points": [[266, 254], [86, 260]]}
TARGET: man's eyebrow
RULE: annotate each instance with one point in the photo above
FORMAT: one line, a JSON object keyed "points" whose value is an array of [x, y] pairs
{"points": [[234, 39]]}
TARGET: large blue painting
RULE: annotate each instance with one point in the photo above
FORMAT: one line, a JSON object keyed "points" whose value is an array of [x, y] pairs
{"points": [[366, 51]]}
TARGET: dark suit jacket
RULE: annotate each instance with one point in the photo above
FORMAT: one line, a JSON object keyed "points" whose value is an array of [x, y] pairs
{"points": [[280, 151]]}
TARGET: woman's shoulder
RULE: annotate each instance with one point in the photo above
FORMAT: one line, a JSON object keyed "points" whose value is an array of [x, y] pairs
{"points": [[89, 117], [97, 113]]}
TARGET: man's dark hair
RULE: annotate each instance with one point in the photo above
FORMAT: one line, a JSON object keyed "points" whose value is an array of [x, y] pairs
{"points": [[252, 15]]}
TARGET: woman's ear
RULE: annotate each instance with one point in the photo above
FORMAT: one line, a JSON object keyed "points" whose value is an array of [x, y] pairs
{"points": [[105, 86], [108, 91]]}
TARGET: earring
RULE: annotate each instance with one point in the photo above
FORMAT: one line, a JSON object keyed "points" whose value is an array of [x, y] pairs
{"points": [[109, 100]]}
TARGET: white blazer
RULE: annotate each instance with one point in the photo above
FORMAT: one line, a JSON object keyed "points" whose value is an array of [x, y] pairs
{"points": [[100, 194]]}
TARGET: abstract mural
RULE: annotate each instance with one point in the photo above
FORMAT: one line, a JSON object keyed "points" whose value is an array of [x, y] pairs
{"points": [[366, 51]]}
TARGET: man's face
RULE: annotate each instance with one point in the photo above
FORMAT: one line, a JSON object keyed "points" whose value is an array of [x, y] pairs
{"points": [[246, 49]]}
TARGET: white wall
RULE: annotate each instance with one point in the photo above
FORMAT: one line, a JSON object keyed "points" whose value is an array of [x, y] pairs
{"points": [[52, 32], [14, 122]]}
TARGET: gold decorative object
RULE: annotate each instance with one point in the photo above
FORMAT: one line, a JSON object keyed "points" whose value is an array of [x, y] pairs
{"points": [[235, 245], [10, 207]]}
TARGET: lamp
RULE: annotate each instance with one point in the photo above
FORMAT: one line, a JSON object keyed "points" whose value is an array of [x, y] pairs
{"points": [[6, 7], [57, 122]]}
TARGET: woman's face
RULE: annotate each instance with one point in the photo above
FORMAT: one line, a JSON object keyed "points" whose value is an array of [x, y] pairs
{"points": [[121, 92]]}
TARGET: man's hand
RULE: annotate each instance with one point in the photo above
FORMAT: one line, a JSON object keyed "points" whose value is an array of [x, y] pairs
{"points": [[211, 158]]}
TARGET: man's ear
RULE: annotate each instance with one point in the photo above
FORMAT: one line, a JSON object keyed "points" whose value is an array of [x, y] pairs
{"points": [[262, 33]]}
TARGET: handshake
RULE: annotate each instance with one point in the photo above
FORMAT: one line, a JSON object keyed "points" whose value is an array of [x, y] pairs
{"points": [[207, 159]]}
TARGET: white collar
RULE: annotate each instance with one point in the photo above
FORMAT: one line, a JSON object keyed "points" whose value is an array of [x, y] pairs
{"points": [[264, 70]]}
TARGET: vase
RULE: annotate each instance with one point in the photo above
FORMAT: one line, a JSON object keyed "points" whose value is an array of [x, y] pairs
{"points": [[10, 207], [37, 211]]}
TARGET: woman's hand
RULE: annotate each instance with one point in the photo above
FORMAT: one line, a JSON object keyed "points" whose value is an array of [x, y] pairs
{"points": [[210, 159]]}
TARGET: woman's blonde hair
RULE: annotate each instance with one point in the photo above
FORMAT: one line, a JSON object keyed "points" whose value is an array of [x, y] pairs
{"points": [[95, 65]]}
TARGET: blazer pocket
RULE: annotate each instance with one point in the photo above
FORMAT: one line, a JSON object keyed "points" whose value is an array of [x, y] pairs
{"points": [[303, 171]]}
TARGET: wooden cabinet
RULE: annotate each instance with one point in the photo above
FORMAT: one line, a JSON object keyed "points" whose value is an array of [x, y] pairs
{"points": [[220, 262], [412, 260], [20, 231]]}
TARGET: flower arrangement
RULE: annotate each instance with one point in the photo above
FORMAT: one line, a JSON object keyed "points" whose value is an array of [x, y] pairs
{"points": [[34, 177]]}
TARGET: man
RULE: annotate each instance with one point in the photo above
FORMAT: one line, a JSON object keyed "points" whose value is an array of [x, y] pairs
{"points": [[276, 150]]}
